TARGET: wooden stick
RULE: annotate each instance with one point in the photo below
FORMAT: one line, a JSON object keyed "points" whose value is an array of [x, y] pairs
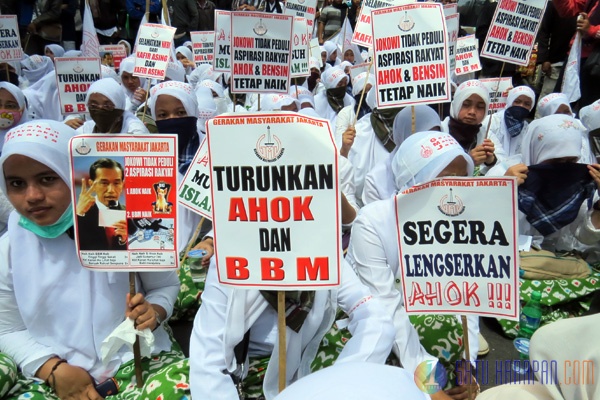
{"points": [[362, 93], [465, 327], [137, 357], [495, 90], [192, 240], [440, 111], [258, 102], [27, 42], [282, 338], [296, 86], [165, 11], [147, 11], [413, 120]]}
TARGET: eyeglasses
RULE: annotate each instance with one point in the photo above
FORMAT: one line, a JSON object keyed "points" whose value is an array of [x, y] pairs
{"points": [[96, 106]]}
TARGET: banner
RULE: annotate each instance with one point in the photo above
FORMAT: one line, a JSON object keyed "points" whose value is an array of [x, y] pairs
{"points": [[194, 189], [571, 85], [112, 54], [73, 78], [10, 41], [203, 44], [276, 203], [467, 55], [90, 46], [457, 257], [300, 49], [153, 50], [125, 202], [306, 9], [452, 27], [363, 30], [498, 88], [261, 52], [411, 55], [222, 41], [514, 27]]}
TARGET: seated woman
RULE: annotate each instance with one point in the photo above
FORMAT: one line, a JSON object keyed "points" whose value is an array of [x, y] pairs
{"points": [[467, 111], [186, 57], [58, 341], [133, 87], [374, 255], [330, 102], [508, 126], [106, 104], [54, 50]]}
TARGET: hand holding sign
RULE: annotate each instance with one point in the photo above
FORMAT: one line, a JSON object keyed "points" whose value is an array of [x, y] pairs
{"points": [[86, 197]]}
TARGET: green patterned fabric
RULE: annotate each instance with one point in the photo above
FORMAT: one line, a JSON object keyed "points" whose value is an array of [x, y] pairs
{"points": [[188, 300], [561, 298], [165, 378], [8, 374]]}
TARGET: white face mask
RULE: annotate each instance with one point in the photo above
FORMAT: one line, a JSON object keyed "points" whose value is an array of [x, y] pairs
{"points": [[203, 116]]}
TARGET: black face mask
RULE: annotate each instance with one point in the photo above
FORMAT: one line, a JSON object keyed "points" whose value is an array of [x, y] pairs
{"points": [[12, 78], [107, 121], [185, 128]]}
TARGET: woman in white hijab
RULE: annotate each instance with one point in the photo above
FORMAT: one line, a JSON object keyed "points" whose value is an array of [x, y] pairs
{"points": [[347, 115], [332, 53], [508, 126], [35, 67], [54, 50], [186, 57], [467, 112], [554, 103], [379, 182], [42, 99], [13, 109], [106, 105], [134, 87], [330, 102], [374, 255], [55, 312]]}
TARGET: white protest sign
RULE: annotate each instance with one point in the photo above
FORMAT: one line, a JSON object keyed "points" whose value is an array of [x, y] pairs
{"points": [[260, 52], [358, 69], [302, 8], [130, 224], [363, 30], [194, 190], [467, 55], [411, 55], [10, 41], [457, 257], [450, 9], [276, 203], [452, 27], [203, 45], [498, 88], [300, 50], [153, 50], [315, 51], [112, 54], [514, 27], [222, 41], [73, 78]]}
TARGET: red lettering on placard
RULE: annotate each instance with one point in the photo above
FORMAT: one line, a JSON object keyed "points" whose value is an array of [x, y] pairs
{"points": [[272, 269], [237, 268], [307, 270]]}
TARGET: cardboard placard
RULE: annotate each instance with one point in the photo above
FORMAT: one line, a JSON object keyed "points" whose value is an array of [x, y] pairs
{"points": [[112, 54], [261, 52], [222, 60], [513, 31], [411, 55], [363, 30], [126, 215], [276, 203], [498, 89], [194, 190], [452, 27], [455, 256], [467, 55], [302, 8], [73, 78], [300, 50], [203, 44], [10, 40], [153, 50]]}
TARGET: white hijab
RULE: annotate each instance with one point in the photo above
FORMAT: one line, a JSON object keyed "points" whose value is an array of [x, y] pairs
{"points": [[35, 67], [517, 92], [207, 108], [127, 65], [425, 120], [590, 115], [21, 101], [179, 90], [550, 103], [274, 101], [464, 91], [56, 50], [418, 161], [360, 81], [554, 136], [43, 99]]}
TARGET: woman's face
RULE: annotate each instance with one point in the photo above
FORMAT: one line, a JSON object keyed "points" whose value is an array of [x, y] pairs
{"points": [[169, 107], [564, 109], [35, 190], [8, 101], [472, 110], [129, 81], [523, 101], [458, 167], [97, 101], [349, 56], [181, 57]]}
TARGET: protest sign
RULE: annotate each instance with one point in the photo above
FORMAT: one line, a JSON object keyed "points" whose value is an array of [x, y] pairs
{"points": [[315, 51], [467, 55], [450, 9], [358, 69], [457, 257], [411, 55], [306, 9], [222, 41], [125, 201], [203, 44], [261, 52], [112, 54], [498, 88], [363, 30], [10, 41], [300, 50], [514, 27], [153, 50], [452, 27], [194, 190], [276, 204], [73, 78]]}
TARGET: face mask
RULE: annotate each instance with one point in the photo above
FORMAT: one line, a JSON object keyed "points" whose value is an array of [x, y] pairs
{"points": [[12, 78], [185, 128], [9, 118], [50, 231], [514, 118], [107, 120]]}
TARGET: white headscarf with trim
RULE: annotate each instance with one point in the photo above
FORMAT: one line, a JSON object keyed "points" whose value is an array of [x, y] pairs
{"points": [[550, 103], [590, 115], [21, 101], [35, 67], [554, 136], [466, 90], [179, 90]]}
